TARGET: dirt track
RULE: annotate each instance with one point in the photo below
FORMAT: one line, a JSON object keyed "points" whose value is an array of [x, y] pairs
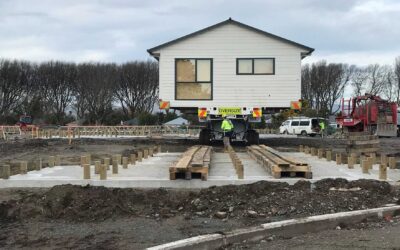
{"points": [[100, 218]]}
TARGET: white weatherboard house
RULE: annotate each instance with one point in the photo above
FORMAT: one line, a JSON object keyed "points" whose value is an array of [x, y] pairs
{"points": [[230, 64], [229, 69]]}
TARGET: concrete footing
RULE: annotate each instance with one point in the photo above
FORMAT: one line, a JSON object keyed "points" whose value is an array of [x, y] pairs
{"points": [[287, 228]]}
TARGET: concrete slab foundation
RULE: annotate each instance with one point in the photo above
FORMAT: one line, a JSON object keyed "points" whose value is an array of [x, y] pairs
{"points": [[154, 173]]}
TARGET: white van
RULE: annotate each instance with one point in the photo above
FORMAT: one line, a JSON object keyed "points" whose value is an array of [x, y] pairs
{"points": [[301, 126]]}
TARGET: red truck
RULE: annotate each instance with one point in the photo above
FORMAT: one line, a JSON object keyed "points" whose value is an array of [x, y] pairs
{"points": [[369, 113]]}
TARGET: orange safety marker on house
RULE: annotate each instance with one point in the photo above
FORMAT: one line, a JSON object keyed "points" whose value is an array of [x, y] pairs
{"points": [[257, 112], [295, 105], [202, 112], [164, 105]]}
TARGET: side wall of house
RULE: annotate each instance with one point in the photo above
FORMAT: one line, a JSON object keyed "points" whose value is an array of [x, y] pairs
{"points": [[225, 44]]}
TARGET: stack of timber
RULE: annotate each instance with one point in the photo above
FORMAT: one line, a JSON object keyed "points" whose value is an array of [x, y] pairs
{"points": [[277, 165], [194, 163], [362, 144]]}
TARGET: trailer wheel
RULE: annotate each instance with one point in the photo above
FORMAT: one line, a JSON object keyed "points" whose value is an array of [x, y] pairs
{"points": [[252, 137], [205, 137]]}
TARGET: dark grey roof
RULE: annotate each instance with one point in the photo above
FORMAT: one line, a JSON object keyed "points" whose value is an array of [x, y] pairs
{"points": [[230, 21]]}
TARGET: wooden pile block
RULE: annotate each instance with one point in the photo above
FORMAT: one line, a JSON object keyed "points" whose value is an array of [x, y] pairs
{"points": [[194, 162]]}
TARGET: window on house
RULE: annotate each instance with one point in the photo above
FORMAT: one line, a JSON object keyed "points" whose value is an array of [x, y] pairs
{"points": [[193, 79], [255, 66]]}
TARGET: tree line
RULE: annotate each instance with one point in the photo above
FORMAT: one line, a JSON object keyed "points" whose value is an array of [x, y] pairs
{"points": [[59, 92], [324, 84]]}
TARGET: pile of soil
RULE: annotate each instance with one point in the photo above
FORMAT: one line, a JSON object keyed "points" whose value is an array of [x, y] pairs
{"points": [[261, 200]]}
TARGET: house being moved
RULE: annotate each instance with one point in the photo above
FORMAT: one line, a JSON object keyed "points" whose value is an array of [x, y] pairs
{"points": [[230, 69]]}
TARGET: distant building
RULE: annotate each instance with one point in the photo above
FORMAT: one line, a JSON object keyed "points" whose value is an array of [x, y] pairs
{"points": [[131, 122], [177, 122]]}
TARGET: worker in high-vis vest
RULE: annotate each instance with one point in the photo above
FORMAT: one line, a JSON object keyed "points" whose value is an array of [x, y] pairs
{"points": [[227, 128], [322, 128]]}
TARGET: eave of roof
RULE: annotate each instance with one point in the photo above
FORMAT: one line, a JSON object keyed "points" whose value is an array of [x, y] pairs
{"points": [[231, 21]]}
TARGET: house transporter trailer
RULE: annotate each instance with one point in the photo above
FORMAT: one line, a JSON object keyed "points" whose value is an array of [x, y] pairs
{"points": [[229, 69]]}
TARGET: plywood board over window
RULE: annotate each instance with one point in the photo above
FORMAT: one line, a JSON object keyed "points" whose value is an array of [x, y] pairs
{"points": [[193, 79]]}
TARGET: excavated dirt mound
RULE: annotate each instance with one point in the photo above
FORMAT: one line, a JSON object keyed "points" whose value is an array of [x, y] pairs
{"points": [[266, 200]]}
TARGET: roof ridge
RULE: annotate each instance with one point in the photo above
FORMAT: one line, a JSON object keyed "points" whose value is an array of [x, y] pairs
{"points": [[229, 20]]}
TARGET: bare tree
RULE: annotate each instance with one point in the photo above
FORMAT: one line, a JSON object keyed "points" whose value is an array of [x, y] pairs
{"points": [[323, 84], [339, 77], [377, 77], [138, 87], [14, 77], [100, 81], [359, 80], [57, 80]]}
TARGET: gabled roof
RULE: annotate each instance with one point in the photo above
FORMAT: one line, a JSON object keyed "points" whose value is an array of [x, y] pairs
{"points": [[177, 121], [230, 21]]}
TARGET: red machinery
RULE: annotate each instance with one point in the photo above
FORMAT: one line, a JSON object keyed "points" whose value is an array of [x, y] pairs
{"points": [[24, 121], [368, 113]]}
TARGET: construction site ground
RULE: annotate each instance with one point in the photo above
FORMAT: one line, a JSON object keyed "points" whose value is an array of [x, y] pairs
{"points": [[96, 217], [370, 234]]}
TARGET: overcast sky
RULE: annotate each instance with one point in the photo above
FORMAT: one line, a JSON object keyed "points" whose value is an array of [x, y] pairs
{"points": [[350, 31]]}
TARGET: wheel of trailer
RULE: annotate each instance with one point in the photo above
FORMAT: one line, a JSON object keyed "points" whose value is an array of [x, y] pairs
{"points": [[205, 136], [303, 133], [285, 132], [252, 137]]}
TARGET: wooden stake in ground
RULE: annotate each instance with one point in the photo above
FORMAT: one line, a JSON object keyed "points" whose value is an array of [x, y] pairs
{"points": [[355, 158], [97, 165], [86, 171], [158, 149], [151, 152], [320, 153], [119, 159], [140, 156], [373, 158], [145, 153], [84, 160], [89, 159], [52, 161], [338, 159], [58, 160], [115, 166], [328, 155], [392, 162], [365, 166], [133, 159], [382, 172], [125, 162], [384, 159], [371, 162], [350, 162], [23, 167], [301, 148], [39, 164], [5, 172], [107, 163], [313, 151], [103, 171]]}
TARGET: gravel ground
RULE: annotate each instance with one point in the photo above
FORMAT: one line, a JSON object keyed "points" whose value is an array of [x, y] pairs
{"points": [[68, 216], [381, 234]]}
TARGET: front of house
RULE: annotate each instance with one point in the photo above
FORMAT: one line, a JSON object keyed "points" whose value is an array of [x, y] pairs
{"points": [[230, 64]]}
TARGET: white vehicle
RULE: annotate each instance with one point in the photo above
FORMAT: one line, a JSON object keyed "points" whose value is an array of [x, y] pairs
{"points": [[301, 126]]}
